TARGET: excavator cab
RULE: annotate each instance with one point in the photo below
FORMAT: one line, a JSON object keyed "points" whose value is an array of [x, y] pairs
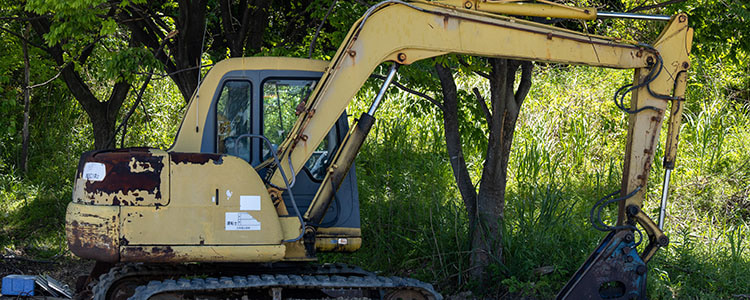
{"points": [[204, 199], [238, 110]]}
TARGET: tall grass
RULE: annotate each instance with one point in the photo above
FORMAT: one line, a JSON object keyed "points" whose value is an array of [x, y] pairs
{"points": [[567, 153]]}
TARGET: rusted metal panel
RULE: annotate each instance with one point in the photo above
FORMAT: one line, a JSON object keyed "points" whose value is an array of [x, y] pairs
{"points": [[93, 231], [202, 253], [125, 177], [151, 254], [195, 158]]}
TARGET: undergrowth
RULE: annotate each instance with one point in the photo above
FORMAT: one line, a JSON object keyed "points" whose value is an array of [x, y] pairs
{"points": [[567, 153]]}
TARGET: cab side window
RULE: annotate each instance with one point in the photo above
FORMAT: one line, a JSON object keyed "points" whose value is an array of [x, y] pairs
{"points": [[233, 118], [280, 100]]}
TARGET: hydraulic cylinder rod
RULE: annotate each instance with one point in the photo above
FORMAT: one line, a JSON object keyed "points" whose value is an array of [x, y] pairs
{"points": [[664, 194], [383, 88], [344, 158], [623, 15]]}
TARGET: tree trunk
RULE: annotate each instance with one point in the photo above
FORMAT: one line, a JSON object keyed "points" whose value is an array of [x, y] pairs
{"points": [[191, 26], [26, 102], [102, 114], [453, 140], [183, 60], [245, 26], [485, 207]]}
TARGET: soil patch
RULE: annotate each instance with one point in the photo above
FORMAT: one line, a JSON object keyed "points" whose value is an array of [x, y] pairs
{"points": [[64, 269]]}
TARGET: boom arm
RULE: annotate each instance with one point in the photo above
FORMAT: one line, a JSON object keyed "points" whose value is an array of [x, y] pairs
{"points": [[407, 32]]}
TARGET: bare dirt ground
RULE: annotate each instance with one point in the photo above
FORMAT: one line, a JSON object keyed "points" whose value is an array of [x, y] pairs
{"points": [[64, 269]]}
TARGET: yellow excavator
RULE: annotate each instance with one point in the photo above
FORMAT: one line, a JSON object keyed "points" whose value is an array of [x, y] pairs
{"points": [[260, 176]]}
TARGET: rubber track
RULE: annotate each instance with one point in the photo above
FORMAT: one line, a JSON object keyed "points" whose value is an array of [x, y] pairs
{"points": [[118, 273], [283, 281], [124, 272]]}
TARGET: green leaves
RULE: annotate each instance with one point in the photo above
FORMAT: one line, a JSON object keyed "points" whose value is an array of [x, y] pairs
{"points": [[124, 64], [78, 20], [109, 26]]}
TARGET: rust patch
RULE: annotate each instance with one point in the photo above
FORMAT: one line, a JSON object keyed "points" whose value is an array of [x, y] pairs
{"points": [[90, 241], [149, 254], [195, 158], [120, 177]]}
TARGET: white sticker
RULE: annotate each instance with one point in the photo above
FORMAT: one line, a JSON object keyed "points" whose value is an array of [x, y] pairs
{"points": [[343, 241], [240, 221], [249, 202], [229, 194], [94, 171]]}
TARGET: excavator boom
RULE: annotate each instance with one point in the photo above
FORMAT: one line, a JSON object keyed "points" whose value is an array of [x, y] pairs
{"points": [[407, 32]]}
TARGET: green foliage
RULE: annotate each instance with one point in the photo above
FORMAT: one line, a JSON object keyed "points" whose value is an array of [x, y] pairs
{"points": [[567, 153], [123, 64], [721, 28], [32, 207], [155, 121]]}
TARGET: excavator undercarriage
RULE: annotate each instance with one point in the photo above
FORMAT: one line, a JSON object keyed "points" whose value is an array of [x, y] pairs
{"points": [[260, 177]]}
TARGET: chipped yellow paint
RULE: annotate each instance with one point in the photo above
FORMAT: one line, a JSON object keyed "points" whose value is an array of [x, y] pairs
{"points": [[193, 216], [338, 239], [674, 45], [93, 231], [136, 167]]}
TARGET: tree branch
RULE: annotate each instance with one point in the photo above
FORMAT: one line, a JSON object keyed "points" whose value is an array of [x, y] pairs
{"points": [[245, 22], [24, 39], [411, 91], [23, 19], [46, 82], [483, 105], [162, 75], [317, 31], [466, 64], [525, 85], [124, 122], [86, 52], [658, 5]]}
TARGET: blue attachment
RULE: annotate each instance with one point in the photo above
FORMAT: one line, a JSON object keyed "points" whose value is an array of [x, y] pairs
{"points": [[18, 285]]}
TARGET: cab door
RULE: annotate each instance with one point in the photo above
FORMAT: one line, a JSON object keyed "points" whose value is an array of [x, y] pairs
{"points": [[264, 102]]}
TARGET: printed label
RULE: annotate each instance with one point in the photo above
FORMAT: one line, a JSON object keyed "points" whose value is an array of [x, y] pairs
{"points": [[249, 202], [94, 171], [240, 221]]}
